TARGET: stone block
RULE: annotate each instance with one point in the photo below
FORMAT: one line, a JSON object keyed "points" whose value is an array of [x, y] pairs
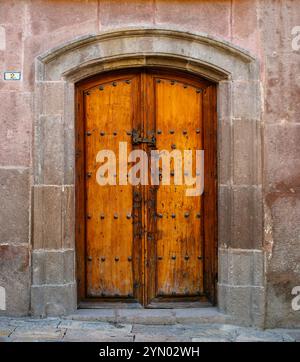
{"points": [[53, 300], [69, 135], [283, 273], [50, 98], [245, 29], [53, 217], [279, 311], [94, 315], [146, 316], [74, 335], [44, 17], [53, 267], [246, 217], [113, 13], [224, 151], [49, 150], [103, 327], [282, 162], [200, 316], [224, 215], [197, 16], [246, 152], [241, 267], [244, 303], [14, 208], [15, 278], [23, 334], [224, 100], [68, 217], [246, 100], [16, 124]]}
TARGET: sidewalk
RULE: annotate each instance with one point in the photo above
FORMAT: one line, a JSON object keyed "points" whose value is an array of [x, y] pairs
{"points": [[60, 330]]}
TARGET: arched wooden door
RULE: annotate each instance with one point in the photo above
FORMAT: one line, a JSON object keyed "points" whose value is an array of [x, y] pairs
{"points": [[147, 244]]}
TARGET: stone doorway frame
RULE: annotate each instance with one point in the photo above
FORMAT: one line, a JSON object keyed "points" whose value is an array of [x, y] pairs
{"points": [[241, 284]]}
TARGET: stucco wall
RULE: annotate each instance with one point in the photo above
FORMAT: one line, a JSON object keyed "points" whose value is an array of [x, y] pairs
{"points": [[30, 28]]}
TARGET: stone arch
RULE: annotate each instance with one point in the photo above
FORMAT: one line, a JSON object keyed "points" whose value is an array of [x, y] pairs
{"points": [[240, 280]]}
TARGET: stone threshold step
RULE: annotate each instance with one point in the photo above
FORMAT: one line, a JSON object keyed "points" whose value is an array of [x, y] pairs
{"points": [[152, 316]]}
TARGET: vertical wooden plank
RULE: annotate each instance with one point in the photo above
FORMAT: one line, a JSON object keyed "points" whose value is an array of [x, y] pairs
{"points": [[178, 109], [109, 223]]}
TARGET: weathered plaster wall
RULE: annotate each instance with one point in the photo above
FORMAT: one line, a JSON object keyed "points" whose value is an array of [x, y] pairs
{"points": [[263, 27]]}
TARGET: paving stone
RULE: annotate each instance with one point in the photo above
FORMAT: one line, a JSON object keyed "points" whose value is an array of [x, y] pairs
{"points": [[6, 331], [76, 335], [261, 336], [160, 338], [55, 329], [97, 326], [25, 334], [201, 315], [146, 316], [210, 339], [99, 315]]}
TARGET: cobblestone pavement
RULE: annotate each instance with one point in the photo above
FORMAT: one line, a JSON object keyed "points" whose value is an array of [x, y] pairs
{"points": [[53, 329]]}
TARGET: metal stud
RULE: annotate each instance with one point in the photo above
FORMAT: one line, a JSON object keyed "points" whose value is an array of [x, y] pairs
{"points": [[159, 131], [184, 131], [89, 174], [197, 130], [158, 80], [171, 131], [173, 216], [129, 258], [127, 81], [199, 90], [173, 146], [89, 258], [102, 258], [129, 133], [173, 257], [185, 86], [102, 133], [114, 84], [198, 215], [89, 216], [186, 214], [186, 257], [160, 258], [88, 133], [102, 216], [128, 216], [115, 216], [101, 87], [172, 82], [115, 133], [160, 215], [117, 258], [172, 173], [200, 257], [87, 93]]}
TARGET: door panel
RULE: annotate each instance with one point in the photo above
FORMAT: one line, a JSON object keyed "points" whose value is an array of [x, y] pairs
{"points": [[146, 243], [111, 114], [179, 231]]}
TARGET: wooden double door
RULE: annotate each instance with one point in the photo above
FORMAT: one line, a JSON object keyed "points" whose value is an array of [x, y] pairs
{"points": [[144, 243]]}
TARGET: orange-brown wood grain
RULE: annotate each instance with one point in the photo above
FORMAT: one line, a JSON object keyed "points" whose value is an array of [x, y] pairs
{"points": [[150, 243]]}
